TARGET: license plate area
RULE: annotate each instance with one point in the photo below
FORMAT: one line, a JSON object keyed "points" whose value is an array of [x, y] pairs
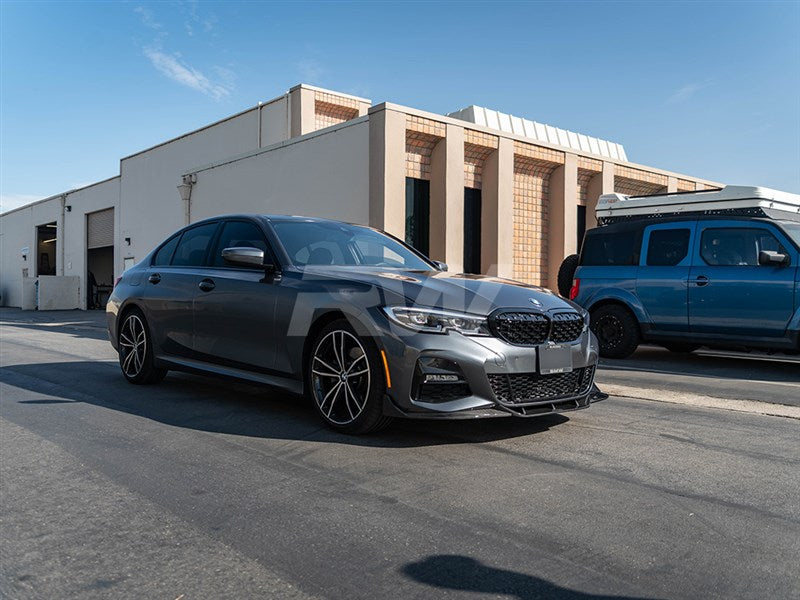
{"points": [[554, 358]]}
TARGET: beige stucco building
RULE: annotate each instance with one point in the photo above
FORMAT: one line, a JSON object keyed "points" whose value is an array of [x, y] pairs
{"points": [[479, 190]]}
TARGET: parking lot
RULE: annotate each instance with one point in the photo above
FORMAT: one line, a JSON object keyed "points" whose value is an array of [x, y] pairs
{"points": [[683, 484]]}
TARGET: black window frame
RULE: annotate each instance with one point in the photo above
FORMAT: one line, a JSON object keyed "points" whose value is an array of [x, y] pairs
{"points": [[208, 248], [473, 205], [418, 214]]}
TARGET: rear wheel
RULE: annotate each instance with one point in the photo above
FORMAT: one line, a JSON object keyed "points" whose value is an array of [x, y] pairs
{"points": [[566, 273], [346, 380], [136, 350], [680, 348], [617, 331]]}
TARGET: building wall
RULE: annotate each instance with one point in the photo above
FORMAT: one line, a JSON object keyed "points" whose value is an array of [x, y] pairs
{"points": [[325, 174], [84, 201], [18, 231]]}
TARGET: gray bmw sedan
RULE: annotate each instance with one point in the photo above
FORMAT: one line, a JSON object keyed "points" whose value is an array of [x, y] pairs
{"points": [[357, 320]]}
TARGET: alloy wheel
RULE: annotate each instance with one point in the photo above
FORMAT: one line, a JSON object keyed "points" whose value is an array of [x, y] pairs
{"points": [[133, 346], [609, 330], [340, 377]]}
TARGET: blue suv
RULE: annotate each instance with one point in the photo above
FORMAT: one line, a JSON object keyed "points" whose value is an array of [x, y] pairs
{"points": [[721, 274]]}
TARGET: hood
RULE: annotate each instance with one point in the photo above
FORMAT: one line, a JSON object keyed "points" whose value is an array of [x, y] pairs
{"points": [[476, 294]]}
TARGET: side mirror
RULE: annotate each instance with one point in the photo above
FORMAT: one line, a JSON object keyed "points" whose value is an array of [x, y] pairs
{"points": [[246, 257], [771, 258], [440, 265]]}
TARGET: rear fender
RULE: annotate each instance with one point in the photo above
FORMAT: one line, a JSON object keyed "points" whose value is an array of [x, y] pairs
{"points": [[618, 296]]}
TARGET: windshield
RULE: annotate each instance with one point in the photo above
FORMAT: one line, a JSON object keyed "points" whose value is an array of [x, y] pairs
{"points": [[340, 244], [793, 231]]}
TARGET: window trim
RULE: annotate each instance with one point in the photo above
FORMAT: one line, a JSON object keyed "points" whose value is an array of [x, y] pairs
{"points": [[218, 235]]}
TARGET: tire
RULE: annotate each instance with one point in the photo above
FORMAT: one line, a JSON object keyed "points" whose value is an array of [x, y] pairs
{"points": [[617, 331], [345, 380], [136, 350], [566, 273], [681, 348]]}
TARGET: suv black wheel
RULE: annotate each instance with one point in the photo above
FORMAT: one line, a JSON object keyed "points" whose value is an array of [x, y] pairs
{"points": [[566, 273], [136, 350], [346, 381], [681, 348], [617, 331]]}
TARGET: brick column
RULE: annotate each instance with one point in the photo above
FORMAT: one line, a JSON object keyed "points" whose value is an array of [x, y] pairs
{"points": [[672, 184], [563, 215], [447, 199], [497, 211], [301, 110], [387, 188], [602, 183]]}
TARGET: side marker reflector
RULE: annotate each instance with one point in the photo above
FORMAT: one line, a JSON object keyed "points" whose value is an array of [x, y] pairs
{"points": [[386, 370]]}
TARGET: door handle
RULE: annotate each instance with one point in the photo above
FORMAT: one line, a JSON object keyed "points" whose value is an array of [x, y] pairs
{"points": [[701, 280], [206, 285], [154, 278]]}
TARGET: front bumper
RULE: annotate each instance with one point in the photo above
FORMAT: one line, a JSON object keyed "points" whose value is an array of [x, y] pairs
{"points": [[496, 378]]}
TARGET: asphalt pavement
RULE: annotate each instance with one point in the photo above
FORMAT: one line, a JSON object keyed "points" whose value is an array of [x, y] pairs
{"points": [[203, 488]]}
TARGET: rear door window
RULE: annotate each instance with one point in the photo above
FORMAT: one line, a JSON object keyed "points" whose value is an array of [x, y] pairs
{"points": [[611, 249], [667, 247], [193, 247], [164, 255]]}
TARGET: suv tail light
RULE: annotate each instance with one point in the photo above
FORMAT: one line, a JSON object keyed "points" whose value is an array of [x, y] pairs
{"points": [[575, 289]]}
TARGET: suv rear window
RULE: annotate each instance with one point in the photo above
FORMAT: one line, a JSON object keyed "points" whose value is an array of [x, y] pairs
{"points": [[667, 247], [613, 248]]}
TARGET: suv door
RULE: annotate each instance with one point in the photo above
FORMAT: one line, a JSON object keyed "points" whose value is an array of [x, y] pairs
{"points": [[234, 306], [663, 272], [170, 286], [730, 294]]}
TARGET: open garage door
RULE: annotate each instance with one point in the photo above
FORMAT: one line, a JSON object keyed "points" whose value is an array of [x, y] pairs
{"points": [[99, 257]]}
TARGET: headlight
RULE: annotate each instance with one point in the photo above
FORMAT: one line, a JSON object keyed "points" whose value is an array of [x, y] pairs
{"points": [[431, 320]]}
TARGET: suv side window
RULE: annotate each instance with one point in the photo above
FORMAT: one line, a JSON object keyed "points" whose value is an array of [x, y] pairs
{"points": [[192, 249], [241, 234], [734, 246], [603, 249], [164, 255], [667, 247]]}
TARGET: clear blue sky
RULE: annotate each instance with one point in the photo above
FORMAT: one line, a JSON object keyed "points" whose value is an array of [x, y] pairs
{"points": [[704, 88]]}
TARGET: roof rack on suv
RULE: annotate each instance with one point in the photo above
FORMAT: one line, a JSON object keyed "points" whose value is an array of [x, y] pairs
{"points": [[733, 200]]}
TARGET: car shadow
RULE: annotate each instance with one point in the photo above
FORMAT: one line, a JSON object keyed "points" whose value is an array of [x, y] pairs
{"points": [[465, 574], [231, 407], [83, 324]]}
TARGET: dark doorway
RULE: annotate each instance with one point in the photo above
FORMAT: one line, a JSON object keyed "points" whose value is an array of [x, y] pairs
{"points": [[99, 257], [46, 236], [418, 210], [472, 230], [581, 225]]}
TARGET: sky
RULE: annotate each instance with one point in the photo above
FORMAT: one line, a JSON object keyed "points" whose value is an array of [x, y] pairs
{"points": [[709, 89]]}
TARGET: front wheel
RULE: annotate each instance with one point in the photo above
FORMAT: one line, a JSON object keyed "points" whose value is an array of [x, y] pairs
{"points": [[617, 331], [346, 380], [136, 350]]}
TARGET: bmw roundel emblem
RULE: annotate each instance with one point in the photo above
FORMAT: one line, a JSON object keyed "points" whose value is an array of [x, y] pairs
{"points": [[535, 302]]}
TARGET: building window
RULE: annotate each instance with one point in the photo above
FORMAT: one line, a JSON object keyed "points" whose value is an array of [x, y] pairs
{"points": [[581, 225], [418, 209], [472, 230]]}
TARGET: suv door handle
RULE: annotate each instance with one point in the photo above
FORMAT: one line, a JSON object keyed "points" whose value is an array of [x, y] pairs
{"points": [[154, 278], [701, 280], [206, 285]]}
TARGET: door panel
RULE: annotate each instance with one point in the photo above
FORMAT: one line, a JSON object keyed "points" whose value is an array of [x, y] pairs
{"points": [[663, 271], [730, 294], [234, 306]]}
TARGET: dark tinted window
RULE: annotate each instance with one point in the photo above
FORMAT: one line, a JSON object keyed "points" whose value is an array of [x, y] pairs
{"points": [[164, 254], [239, 234], [611, 248], [418, 209], [737, 246], [667, 247], [191, 250]]}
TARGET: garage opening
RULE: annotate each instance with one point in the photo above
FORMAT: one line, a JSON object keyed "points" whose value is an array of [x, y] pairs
{"points": [[99, 258], [46, 236]]}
